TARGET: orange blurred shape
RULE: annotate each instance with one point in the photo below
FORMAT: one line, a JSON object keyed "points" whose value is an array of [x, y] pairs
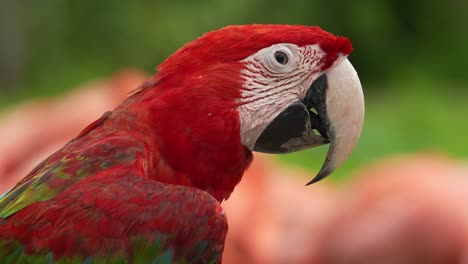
{"points": [[274, 218], [406, 210], [33, 130]]}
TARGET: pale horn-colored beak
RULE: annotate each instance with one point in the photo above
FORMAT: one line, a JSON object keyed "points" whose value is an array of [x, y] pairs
{"points": [[344, 115]]}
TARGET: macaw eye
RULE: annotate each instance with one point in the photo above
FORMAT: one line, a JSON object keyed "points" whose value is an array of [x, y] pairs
{"points": [[281, 57]]}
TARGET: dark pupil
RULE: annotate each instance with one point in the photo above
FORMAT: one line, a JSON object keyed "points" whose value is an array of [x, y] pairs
{"points": [[281, 57]]}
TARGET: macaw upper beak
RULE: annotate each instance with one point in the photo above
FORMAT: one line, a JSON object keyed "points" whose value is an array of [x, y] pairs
{"points": [[331, 112]]}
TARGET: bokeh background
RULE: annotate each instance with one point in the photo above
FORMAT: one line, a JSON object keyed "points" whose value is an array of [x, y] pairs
{"points": [[411, 57]]}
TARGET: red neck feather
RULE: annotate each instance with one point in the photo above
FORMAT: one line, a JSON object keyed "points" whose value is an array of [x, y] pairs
{"points": [[193, 125]]}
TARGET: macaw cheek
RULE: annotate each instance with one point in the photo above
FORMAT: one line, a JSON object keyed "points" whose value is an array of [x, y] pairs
{"points": [[292, 130]]}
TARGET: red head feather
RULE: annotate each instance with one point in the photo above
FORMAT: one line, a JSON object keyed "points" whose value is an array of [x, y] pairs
{"points": [[234, 43]]}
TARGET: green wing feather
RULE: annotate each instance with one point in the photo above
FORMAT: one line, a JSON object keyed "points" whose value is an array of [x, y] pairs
{"points": [[66, 167]]}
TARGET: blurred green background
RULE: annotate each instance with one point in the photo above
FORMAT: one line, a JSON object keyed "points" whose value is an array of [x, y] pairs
{"points": [[411, 56]]}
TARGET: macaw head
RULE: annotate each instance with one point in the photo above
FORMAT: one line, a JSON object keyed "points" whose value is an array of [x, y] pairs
{"points": [[285, 87]]}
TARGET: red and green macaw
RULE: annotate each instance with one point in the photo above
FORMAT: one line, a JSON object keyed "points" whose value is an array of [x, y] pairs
{"points": [[144, 183]]}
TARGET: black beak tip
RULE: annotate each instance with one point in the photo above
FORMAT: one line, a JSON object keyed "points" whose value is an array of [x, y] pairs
{"points": [[323, 173]]}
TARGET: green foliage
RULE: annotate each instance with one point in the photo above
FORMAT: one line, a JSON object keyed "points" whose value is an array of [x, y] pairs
{"points": [[54, 45]]}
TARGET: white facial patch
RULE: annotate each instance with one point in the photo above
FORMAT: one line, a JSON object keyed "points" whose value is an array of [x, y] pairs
{"points": [[273, 82]]}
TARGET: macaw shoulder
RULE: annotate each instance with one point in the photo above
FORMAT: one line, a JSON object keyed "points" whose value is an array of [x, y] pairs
{"points": [[92, 152]]}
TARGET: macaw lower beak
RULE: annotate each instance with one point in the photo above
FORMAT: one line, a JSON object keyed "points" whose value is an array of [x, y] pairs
{"points": [[331, 112]]}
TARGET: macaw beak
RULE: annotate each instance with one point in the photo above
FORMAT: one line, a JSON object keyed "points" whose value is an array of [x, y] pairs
{"points": [[332, 111]]}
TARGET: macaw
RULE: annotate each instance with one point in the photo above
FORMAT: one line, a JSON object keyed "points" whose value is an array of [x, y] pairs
{"points": [[144, 183]]}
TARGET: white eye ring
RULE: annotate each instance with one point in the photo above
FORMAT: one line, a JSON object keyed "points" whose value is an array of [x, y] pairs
{"points": [[280, 59]]}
